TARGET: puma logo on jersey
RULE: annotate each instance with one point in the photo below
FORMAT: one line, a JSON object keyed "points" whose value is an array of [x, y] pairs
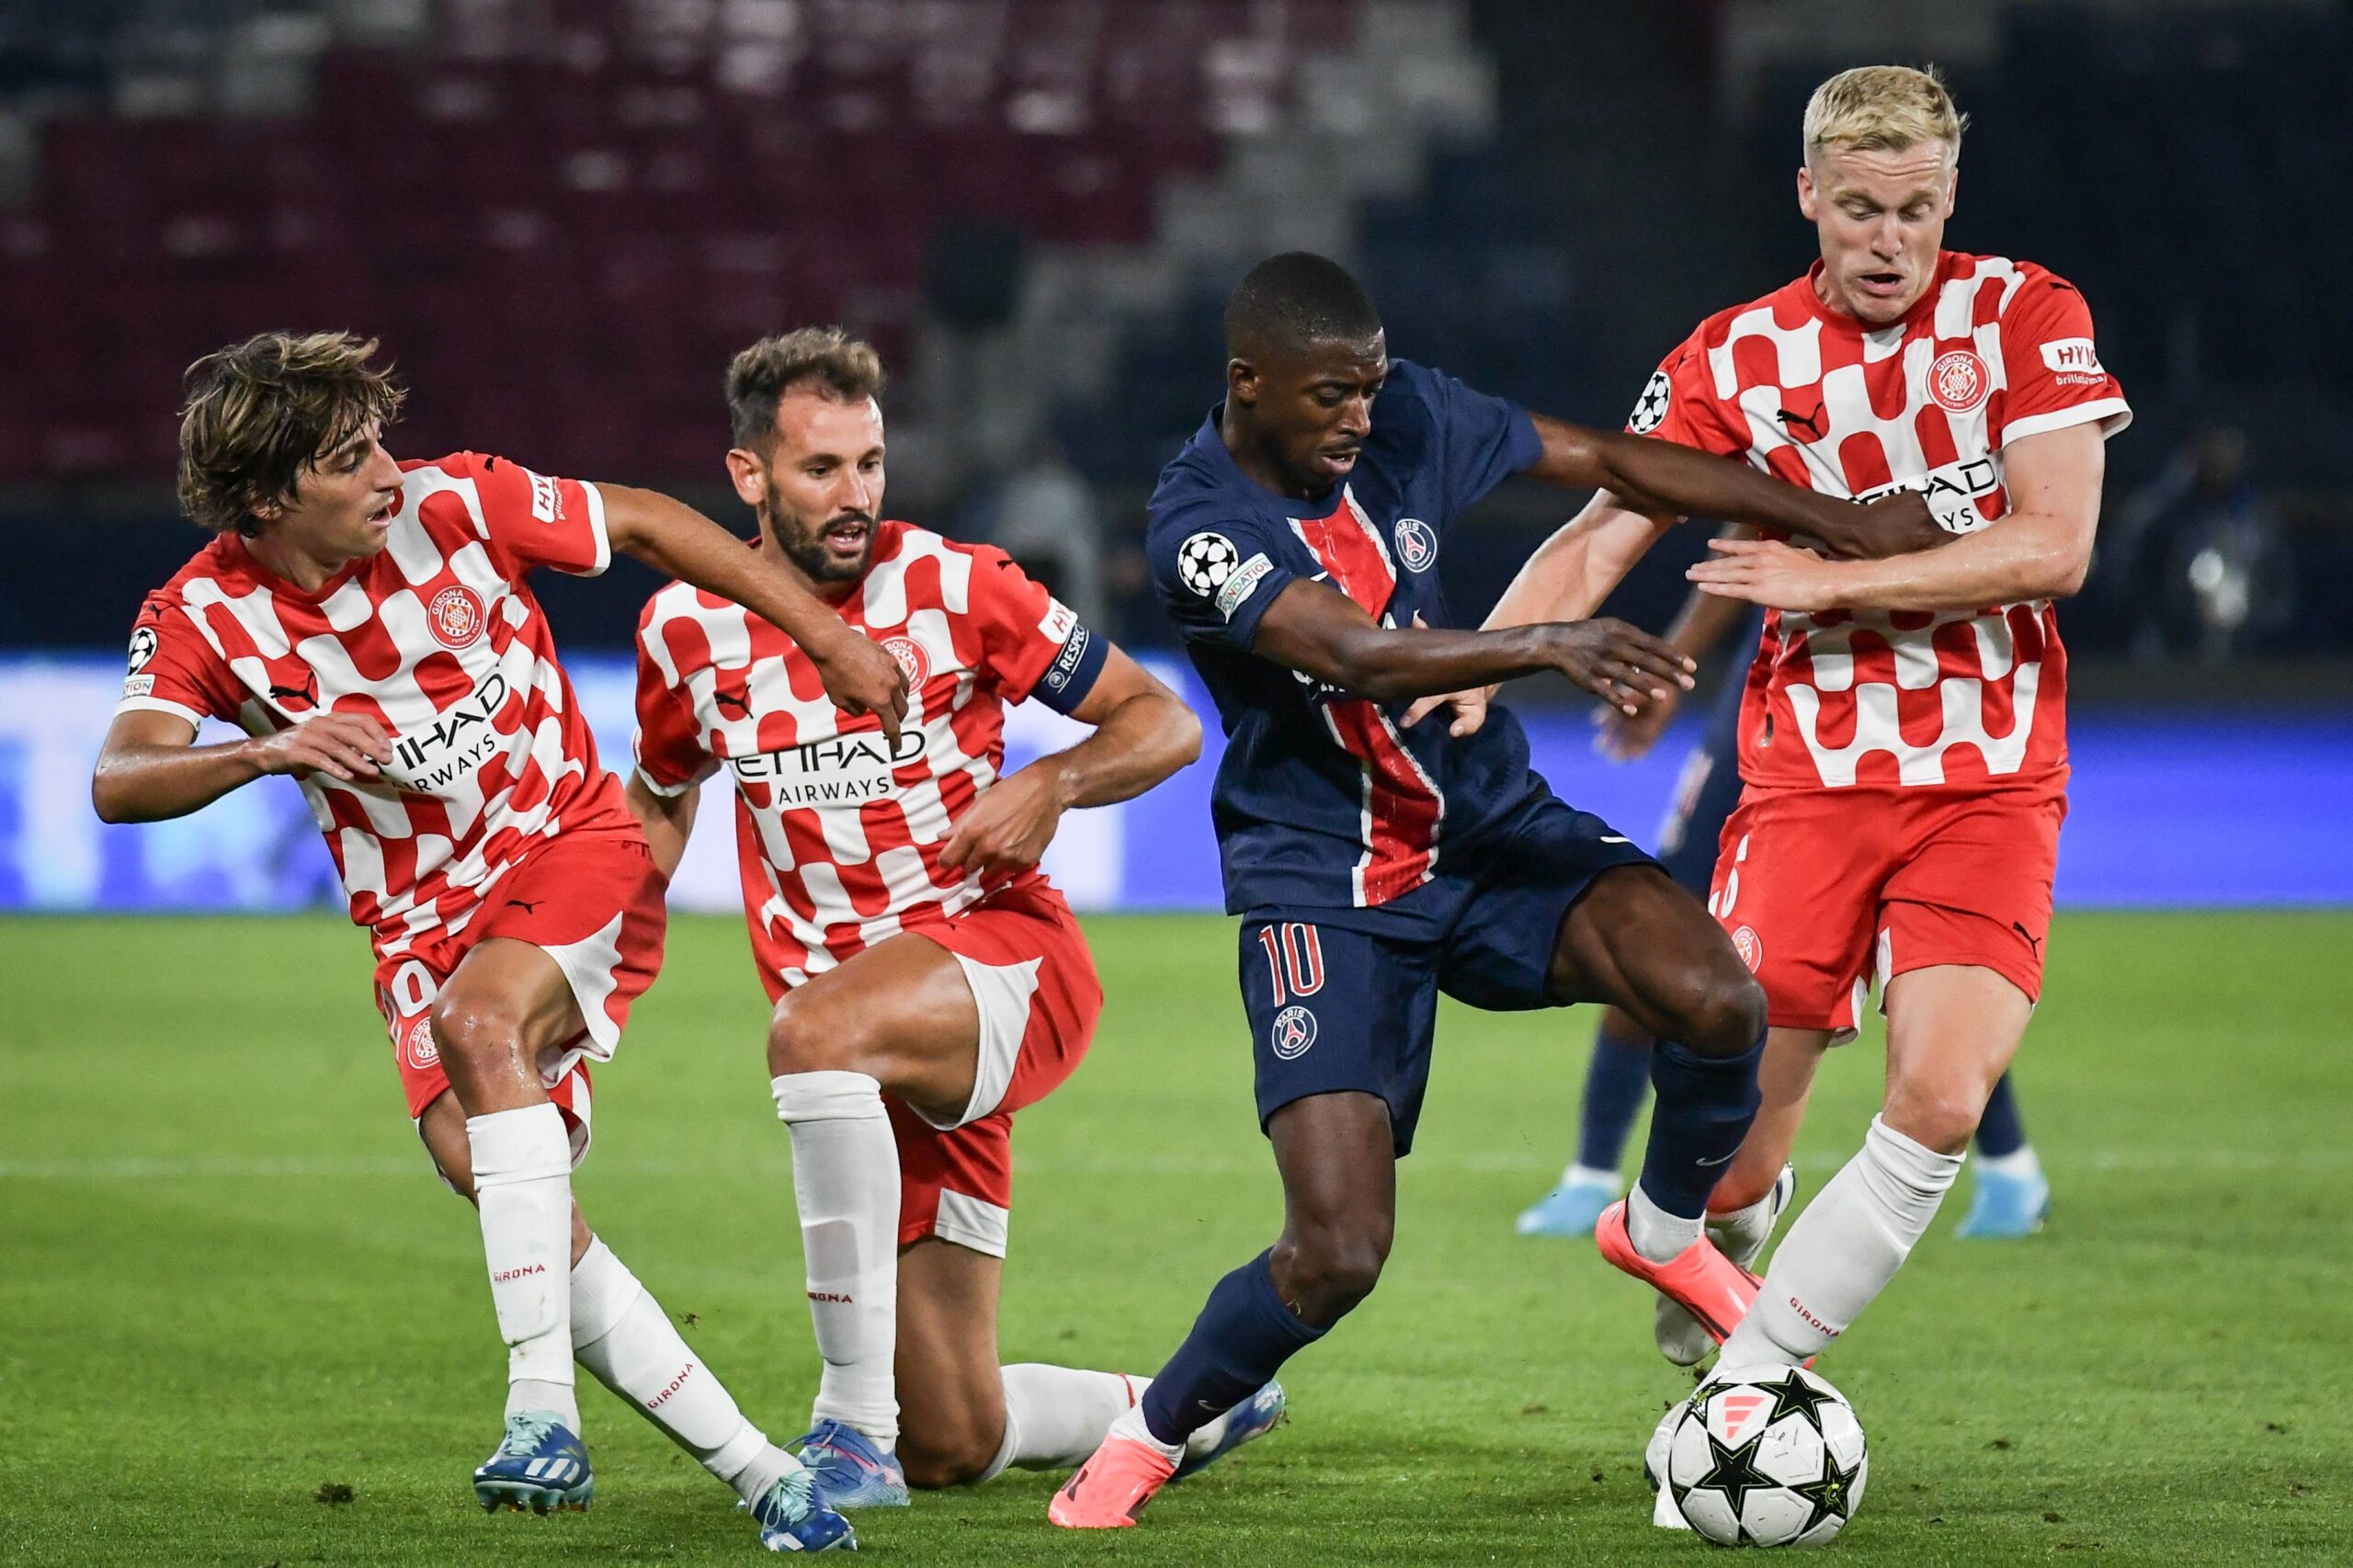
{"points": [[1790, 419], [306, 694]]}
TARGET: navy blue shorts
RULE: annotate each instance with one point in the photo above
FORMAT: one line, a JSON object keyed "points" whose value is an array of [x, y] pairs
{"points": [[1344, 999], [1705, 795]]}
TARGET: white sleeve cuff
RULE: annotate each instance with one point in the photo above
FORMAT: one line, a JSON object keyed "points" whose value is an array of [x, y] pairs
{"points": [[158, 705], [596, 524], [667, 792], [2113, 414]]}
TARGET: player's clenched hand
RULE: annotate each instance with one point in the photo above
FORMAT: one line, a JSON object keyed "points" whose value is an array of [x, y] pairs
{"points": [[1767, 573], [1008, 827], [1892, 525], [1624, 737], [861, 679], [1627, 668], [350, 746]]}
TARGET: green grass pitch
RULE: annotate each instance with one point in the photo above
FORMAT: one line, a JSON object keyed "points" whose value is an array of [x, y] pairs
{"points": [[228, 1285]]}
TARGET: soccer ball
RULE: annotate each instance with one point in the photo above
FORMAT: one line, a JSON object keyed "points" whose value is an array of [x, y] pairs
{"points": [[1205, 561], [1762, 1455]]}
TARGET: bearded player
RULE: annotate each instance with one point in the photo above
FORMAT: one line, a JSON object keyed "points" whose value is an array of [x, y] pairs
{"points": [[928, 981], [1903, 738], [1376, 863], [367, 623]]}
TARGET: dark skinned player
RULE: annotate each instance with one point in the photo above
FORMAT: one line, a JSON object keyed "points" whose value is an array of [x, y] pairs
{"points": [[1375, 863]]}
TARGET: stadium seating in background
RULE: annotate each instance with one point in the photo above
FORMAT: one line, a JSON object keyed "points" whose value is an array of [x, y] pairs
{"points": [[563, 215]]}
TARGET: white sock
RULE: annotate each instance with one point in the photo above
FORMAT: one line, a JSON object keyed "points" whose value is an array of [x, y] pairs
{"points": [[1130, 1425], [1055, 1416], [1588, 1175], [522, 1164], [2022, 1164], [1657, 1234], [846, 1181], [1844, 1249], [622, 1335], [1741, 1235]]}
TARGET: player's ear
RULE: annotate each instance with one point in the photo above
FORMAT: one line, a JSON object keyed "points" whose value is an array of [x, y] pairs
{"points": [[1806, 202], [748, 475], [1241, 382]]}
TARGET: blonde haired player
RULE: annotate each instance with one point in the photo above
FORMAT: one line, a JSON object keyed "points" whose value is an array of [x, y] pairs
{"points": [[1903, 738]]}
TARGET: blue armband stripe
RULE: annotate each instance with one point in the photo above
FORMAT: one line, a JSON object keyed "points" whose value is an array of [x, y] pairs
{"points": [[1074, 672]]}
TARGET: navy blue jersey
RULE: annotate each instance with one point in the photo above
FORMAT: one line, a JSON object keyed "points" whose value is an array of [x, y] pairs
{"points": [[1323, 799]]}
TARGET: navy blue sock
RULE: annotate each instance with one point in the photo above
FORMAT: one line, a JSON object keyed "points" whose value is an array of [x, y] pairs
{"points": [[1244, 1334], [1615, 1082], [2001, 1130], [1705, 1104]]}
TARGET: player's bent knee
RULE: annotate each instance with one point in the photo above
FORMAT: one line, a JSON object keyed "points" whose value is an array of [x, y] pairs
{"points": [[1940, 1119], [475, 1033], [812, 1036], [1726, 1015], [1329, 1271], [935, 1460]]}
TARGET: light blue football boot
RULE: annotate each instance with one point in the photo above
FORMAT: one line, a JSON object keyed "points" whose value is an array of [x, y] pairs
{"points": [[850, 1470], [2003, 1205], [791, 1519], [539, 1464], [1572, 1209], [1254, 1417]]}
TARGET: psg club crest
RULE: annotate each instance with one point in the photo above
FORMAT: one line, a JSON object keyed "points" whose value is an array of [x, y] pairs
{"points": [[911, 657], [455, 617], [1417, 544], [1959, 381], [1294, 1031]]}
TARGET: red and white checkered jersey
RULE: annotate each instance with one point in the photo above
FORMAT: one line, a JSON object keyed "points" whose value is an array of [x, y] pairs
{"points": [[436, 638], [1995, 351], [838, 835]]}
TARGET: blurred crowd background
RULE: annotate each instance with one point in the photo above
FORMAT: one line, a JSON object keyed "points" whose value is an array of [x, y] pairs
{"points": [[563, 216]]}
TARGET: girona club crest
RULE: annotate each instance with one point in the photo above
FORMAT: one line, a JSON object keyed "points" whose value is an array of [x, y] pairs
{"points": [[455, 617], [421, 1051], [912, 658], [1959, 381], [1749, 946]]}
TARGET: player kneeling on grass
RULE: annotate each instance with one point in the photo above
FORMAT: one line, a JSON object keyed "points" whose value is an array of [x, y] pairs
{"points": [[928, 981], [366, 623]]}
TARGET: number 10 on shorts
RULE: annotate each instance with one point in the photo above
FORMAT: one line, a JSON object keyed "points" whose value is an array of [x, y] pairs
{"points": [[1294, 953]]}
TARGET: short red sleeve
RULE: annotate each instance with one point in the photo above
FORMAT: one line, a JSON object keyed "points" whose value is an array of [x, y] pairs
{"points": [[2051, 364], [173, 669], [1022, 627], [536, 520], [1679, 404], [671, 757]]}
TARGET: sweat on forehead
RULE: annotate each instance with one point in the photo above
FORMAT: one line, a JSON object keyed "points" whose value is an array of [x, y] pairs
{"points": [[1290, 302]]}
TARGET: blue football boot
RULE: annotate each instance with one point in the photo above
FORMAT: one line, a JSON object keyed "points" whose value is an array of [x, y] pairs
{"points": [[1254, 1417], [850, 1470], [2005, 1206], [791, 1519], [1572, 1209], [539, 1465]]}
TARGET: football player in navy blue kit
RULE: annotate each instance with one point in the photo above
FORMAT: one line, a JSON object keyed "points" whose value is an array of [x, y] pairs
{"points": [[1374, 864]]}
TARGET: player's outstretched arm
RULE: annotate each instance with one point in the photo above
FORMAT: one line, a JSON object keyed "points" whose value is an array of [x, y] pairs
{"points": [[1320, 631], [668, 820], [1667, 479], [678, 542], [2039, 550], [149, 770], [1142, 733]]}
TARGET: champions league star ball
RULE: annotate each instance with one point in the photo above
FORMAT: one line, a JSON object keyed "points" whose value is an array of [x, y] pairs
{"points": [[1761, 1456], [1205, 561]]}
